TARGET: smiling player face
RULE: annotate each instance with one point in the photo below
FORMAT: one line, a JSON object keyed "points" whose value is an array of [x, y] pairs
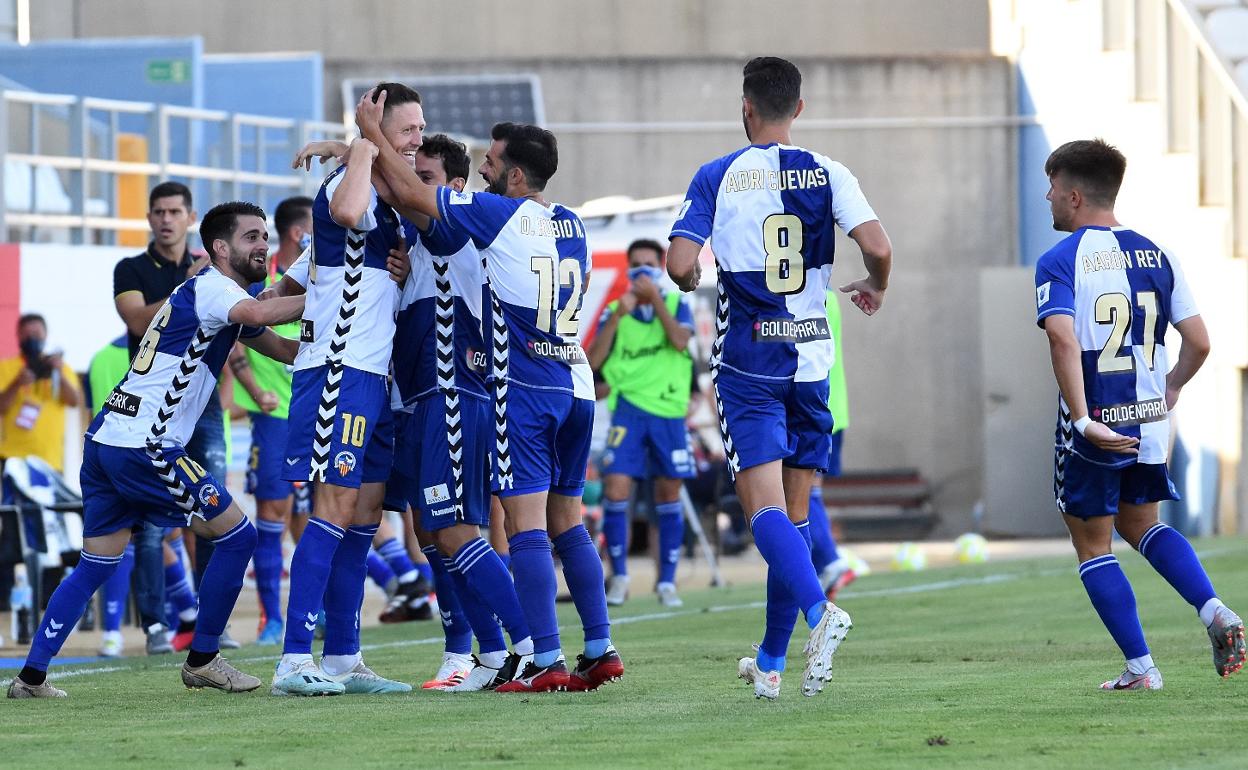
{"points": [[404, 127], [249, 248]]}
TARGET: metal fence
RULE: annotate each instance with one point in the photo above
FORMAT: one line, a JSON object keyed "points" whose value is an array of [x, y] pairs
{"points": [[63, 161]]}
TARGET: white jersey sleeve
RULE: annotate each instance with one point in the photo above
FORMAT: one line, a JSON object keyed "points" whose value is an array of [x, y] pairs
{"points": [[215, 297], [369, 220], [849, 205], [298, 271]]}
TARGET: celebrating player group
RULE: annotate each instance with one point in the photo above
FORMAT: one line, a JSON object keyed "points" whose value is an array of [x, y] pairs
{"points": [[438, 366]]}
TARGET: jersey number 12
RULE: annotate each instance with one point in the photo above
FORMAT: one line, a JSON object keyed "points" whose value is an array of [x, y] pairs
{"points": [[548, 286]]}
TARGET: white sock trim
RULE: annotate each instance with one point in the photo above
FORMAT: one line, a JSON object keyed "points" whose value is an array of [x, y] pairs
{"points": [[1210, 609], [1140, 665], [337, 665]]}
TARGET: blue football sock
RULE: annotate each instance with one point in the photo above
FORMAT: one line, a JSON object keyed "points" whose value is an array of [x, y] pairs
{"points": [[178, 590], [344, 591], [780, 543], [535, 588], [615, 530], [505, 558], [455, 627], [396, 556], [378, 570], [823, 546], [268, 563], [1173, 558], [309, 571], [582, 571], [671, 538], [781, 617], [1114, 601], [117, 591], [489, 588], [67, 604], [480, 619], [223, 579], [425, 571]]}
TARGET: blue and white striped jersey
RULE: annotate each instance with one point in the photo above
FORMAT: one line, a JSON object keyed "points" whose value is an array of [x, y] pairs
{"points": [[768, 212], [1123, 290], [536, 261], [439, 340], [351, 299], [175, 370]]}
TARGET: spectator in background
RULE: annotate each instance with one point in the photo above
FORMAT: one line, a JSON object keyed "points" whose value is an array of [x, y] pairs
{"points": [[37, 389]]}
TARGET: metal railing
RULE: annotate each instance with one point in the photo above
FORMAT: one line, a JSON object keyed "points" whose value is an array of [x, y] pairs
{"points": [[219, 155], [1206, 110]]}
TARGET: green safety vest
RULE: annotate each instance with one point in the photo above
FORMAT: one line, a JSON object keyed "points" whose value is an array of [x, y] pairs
{"points": [[645, 368], [838, 402], [270, 375], [107, 369]]}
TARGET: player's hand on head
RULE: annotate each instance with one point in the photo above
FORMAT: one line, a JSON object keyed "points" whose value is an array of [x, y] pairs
{"points": [[398, 263], [368, 112], [1104, 437], [865, 295]]}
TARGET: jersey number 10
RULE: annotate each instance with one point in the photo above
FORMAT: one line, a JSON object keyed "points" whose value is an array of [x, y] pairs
{"points": [[548, 286], [785, 267], [1115, 309]]}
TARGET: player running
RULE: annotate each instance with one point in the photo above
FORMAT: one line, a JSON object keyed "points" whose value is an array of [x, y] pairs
{"points": [[537, 262], [135, 466], [1105, 296], [768, 211], [642, 351], [341, 429], [262, 387]]}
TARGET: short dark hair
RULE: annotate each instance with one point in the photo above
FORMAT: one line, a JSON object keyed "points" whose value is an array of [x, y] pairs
{"points": [[396, 94], [168, 190], [29, 318], [773, 85], [1093, 166], [291, 212], [646, 243], [532, 149], [220, 221], [453, 154]]}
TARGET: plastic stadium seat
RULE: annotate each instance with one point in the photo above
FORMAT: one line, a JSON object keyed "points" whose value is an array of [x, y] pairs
{"points": [[1228, 31]]}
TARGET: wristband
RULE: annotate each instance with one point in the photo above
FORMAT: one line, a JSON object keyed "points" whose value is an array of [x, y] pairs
{"points": [[1082, 424]]}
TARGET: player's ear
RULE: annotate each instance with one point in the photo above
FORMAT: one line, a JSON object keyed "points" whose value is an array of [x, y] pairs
{"points": [[801, 105]]}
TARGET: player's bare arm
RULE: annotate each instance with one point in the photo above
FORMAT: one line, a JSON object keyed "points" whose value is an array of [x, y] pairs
{"points": [[350, 202], [274, 346], [867, 294], [1067, 356], [325, 150], [251, 312], [682, 263], [1192, 354], [408, 193], [240, 367], [604, 339]]}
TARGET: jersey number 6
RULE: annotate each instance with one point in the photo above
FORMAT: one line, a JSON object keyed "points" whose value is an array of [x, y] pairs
{"points": [[782, 241], [548, 287], [147, 346]]}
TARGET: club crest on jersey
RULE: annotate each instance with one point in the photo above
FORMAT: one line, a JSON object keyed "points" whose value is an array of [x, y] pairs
{"points": [[344, 461], [1042, 293], [459, 198], [209, 497], [791, 330]]}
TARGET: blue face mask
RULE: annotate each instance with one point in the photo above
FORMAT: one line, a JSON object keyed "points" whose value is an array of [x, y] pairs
{"points": [[650, 271], [305, 241]]}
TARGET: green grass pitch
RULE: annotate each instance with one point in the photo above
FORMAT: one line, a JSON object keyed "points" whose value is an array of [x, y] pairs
{"points": [[991, 666]]}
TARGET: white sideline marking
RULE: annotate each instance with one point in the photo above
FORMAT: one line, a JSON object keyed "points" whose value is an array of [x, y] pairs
{"points": [[937, 585]]}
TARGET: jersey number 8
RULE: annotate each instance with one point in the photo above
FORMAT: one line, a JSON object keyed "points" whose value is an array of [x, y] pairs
{"points": [[548, 286], [1115, 309], [147, 346], [782, 241]]}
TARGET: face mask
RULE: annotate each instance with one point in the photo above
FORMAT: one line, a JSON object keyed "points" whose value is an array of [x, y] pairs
{"points": [[32, 347], [305, 241], [650, 271]]}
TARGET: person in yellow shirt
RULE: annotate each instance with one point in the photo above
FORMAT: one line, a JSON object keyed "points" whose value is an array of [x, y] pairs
{"points": [[36, 389]]}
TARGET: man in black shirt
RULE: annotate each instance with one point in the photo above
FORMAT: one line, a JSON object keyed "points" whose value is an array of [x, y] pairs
{"points": [[141, 284]]}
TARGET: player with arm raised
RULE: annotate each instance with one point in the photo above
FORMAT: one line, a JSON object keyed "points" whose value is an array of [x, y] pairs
{"points": [[768, 211], [537, 262], [135, 466], [341, 429], [1105, 296]]}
